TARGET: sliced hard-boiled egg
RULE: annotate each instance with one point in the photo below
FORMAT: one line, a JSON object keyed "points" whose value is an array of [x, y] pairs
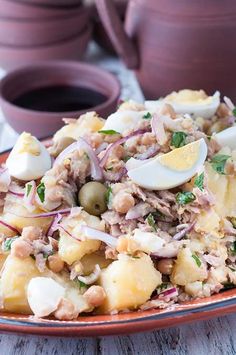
{"points": [[148, 242], [29, 159], [227, 137], [122, 121], [44, 295], [193, 102], [171, 169]]}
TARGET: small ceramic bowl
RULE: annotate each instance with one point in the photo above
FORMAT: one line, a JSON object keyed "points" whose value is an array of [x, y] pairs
{"points": [[55, 74], [24, 10], [72, 48], [34, 32]]}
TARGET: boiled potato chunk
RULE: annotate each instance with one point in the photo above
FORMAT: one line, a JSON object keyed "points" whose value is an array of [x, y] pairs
{"points": [[128, 282], [14, 209], [71, 250], [90, 260], [16, 275], [186, 269]]}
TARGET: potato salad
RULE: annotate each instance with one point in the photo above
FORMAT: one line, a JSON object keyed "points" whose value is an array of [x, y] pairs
{"points": [[128, 212]]}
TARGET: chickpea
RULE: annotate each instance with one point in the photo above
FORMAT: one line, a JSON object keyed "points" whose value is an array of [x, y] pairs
{"points": [[55, 263], [165, 266], [21, 249], [95, 295], [123, 201], [66, 310]]}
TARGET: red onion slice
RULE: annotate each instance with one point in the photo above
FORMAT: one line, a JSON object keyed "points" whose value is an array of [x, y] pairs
{"points": [[173, 292], [183, 232], [90, 279], [44, 215], [96, 171], [5, 179], [54, 225], [91, 233], [150, 153], [13, 229], [110, 176], [29, 199], [15, 193], [139, 132]]}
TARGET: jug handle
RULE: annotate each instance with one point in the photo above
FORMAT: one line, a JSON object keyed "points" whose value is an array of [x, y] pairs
{"points": [[113, 25]]}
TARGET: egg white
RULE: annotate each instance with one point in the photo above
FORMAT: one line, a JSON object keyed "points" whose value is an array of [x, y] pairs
{"points": [[154, 175], [26, 166], [200, 109], [122, 121], [227, 137]]}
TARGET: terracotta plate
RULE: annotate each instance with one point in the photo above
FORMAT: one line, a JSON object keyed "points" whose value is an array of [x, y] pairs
{"points": [[125, 323]]}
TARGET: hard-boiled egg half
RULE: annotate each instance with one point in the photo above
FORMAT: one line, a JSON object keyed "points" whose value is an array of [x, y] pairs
{"points": [[227, 137], [171, 169], [193, 102], [44, 295], [29, 159], [122, 121]]}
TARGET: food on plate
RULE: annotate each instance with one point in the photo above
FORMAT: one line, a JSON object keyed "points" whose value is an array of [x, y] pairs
{"points": [[132, 211]]}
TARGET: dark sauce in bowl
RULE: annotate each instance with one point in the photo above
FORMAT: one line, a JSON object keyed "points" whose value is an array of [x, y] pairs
{"points": [[60, 99]]}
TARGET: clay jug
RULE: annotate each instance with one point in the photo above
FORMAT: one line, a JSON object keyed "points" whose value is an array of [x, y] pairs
{"points": [[173, 45]]}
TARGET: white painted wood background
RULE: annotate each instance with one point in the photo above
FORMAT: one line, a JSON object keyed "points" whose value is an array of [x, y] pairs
{"points": [[213, 337]]}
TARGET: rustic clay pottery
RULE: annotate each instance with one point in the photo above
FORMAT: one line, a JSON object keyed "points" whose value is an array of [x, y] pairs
{"points": [[9, 8], [54, 74], [176, 44], [72, 48], [99, 32], [51, 2], [124, 323], [34, 32]]}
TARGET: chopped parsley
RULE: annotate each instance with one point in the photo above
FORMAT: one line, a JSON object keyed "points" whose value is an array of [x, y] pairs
{"points": [[125, 159], [151, 222], [80, 283], [197, 260], [147, 116], [234, 112], [178, 139], [198, 181], [28, 189], [8, 242], [108, 131], [162, 287], [185, 197], [233, 249], [41, 191], [218, 163], [108, 195]]}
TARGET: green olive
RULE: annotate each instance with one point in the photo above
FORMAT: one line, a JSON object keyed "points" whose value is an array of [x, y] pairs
{"points": [[61, 144], [92, 197]]}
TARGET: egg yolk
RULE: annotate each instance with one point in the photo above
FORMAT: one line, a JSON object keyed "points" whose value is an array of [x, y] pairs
{"points": [[183, 158], [28, 144], [188, 97]]}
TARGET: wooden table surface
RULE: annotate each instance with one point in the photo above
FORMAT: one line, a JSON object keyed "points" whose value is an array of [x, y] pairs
{"points": [[216, 336]]}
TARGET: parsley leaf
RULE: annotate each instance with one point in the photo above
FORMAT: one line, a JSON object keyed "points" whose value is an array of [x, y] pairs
{"points": [[234, 112], [108, 195], [185, 197], [198, 181], [108, 131], [80, 283], [218, 163], [162, 287], [147, 116], [233, 249], [178, 139], [197, 260], [41, 191], [151, 222], [8, 242], [28, 189]]}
